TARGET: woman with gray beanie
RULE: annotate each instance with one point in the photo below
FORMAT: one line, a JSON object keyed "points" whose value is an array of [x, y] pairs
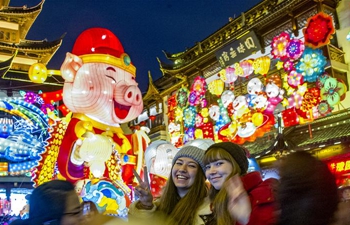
{"points": [[184, 197]]}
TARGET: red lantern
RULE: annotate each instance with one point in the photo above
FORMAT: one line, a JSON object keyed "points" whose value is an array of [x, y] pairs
{"points": [[290, 117], [152, 118]]}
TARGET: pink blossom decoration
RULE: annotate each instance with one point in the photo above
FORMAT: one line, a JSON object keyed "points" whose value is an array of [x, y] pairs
{"points": [[279, 46]]}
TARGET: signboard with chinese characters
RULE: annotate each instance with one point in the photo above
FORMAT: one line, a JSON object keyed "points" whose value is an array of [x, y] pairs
{"points": [[340, 167], [238, 49]]}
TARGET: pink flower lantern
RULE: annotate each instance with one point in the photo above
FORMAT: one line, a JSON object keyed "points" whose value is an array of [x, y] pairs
{"points": [[279, 46], [295, 79]]}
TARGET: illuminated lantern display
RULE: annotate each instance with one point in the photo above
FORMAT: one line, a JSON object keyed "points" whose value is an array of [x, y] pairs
{"points": [[228, 75], [247, 68], [274, 92], [107, 197], [311, 99], [295, 49], [182, 97], [290, 117], [288, 65], [216, 87], [261, 65], [319, 30], [199, 86], [279, 46], [295, 79], [158, 159], [23, 137], [333, 91], [311, 64], [101, 92], [190, 116], [227, 98], [37, 73]]}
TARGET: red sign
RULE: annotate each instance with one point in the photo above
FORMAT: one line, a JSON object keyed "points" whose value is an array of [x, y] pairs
{"points": [[340, 167]]}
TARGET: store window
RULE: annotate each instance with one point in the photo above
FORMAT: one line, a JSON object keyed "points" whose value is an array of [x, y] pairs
{"points": [[18, 199]]}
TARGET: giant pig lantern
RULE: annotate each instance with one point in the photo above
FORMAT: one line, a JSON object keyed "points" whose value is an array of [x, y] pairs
{"points": [[101, 92]]}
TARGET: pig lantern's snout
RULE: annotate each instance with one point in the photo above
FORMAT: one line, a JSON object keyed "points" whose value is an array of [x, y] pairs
{"points": [[133, 95]]}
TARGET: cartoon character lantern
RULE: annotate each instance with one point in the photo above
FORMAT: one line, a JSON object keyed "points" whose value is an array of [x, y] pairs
{"points": [[101, 91]]}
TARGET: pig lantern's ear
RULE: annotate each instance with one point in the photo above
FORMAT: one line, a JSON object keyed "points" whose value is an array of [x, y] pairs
{"points": [[70, 66]]}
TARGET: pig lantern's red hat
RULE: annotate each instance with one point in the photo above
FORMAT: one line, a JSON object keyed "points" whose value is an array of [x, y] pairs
{"points": [[101, 45]]}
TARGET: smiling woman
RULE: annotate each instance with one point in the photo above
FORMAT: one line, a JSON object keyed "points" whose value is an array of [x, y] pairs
{"points": [[183, 199]]}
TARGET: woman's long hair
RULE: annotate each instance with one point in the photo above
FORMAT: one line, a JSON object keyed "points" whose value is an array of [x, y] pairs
{"points": [[183, 210], [219, 198]]}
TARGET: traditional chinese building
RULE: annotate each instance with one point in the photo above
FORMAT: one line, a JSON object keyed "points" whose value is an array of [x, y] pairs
{"points": [[244, 51], [17, 54]]}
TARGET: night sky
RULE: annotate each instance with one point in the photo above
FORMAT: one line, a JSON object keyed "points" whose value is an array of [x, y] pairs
{"points": [[144, 27]]}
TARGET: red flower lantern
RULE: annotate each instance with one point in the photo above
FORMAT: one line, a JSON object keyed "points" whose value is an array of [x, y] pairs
{"points": [[319, 30]]}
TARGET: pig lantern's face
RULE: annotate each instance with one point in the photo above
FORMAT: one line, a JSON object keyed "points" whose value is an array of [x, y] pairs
{"points": [[104, 92]]}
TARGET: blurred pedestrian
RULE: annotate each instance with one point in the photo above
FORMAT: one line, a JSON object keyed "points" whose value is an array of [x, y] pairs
{"points": [[54, 203], [342, 215], [307, 193], [237, 197]]}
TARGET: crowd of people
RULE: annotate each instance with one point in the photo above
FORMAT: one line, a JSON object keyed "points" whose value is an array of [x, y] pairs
{"points": [[210, 187]]}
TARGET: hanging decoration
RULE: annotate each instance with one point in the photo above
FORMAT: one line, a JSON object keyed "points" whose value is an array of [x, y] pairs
{"points": [[228, 75], [301, 90], [199, 86], [279, 46], [295, 49], [319, 30], [261, 65], [333, 91], [189, 116], [37, 73], [216, 87], [288, 65], [182, 97], [312, 64], [246, 68]]}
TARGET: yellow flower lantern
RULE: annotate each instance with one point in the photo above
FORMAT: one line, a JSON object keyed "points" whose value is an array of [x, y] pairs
{"points": [[261, 65], [216, 87]]}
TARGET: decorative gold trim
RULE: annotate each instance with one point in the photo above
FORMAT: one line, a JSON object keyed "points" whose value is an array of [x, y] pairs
{"points": [[96, 124], [118, 62]]}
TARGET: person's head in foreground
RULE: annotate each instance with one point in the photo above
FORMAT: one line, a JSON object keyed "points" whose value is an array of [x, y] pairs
{"points": [[55, 202], [308, 192], [185, 189], [225, 161]]}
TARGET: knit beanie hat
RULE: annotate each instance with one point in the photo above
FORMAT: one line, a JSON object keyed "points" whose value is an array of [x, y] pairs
{"points": [[237, 152], [192, 152]]}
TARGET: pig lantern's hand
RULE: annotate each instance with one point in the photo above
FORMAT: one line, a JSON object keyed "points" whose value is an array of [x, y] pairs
{"points": [[93, 148]]}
